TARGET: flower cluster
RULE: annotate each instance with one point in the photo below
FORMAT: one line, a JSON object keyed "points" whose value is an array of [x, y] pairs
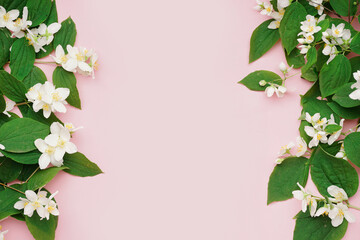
{"points": [[318, 131], [38, 202], [308, 28], [272, 87], [48, 98], [333, 207], [55, 145], [80, 60], [268, 9], [334, 37], [286, 151], [38, 37]]}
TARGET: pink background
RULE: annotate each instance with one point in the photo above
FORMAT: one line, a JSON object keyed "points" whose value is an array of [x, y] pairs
{"points": [[186, 151]]}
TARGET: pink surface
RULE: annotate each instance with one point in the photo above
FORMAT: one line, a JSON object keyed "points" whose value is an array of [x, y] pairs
{"points": [[186, 151]]}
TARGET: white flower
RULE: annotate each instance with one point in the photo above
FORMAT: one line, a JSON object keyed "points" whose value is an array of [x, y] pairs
{"points": [[338, 213], [71, 127], [309, 26], [51, 207], [48, 32], [304, 48], [48, 153], [301, 147], [9, 106], [318, 136], [7, 18], [69, 64], [63, 144], [268, 9], [274, 24], [259, 6], [283, 3], [31, 203], [335, 136], [270, 90], [284, 69], [280, 91], [337, 31], [341, 153], [20, 25], [318, 5], [2, 233], [308, 38], [355, 95], [55, 145], [312, 119], [325, 210], [35, 40], [46, 97], [286, 149], [306, 199], [279, 160], [338, 193]]}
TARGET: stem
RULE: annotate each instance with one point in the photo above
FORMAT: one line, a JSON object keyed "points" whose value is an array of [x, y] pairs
{"points": [[6, 186], [20, 104], [46, 62], [354, 207], [293, 75], [32, 174]]}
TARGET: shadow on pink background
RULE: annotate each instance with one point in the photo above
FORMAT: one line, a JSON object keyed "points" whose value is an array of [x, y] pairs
{"points": [[186, 151]]}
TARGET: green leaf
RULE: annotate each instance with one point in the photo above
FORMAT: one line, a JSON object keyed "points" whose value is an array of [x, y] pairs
{"points": [[252, 80], [19, 217], [8, 198], [311, 75], [24, 158], [295, 58], [343, 99], [316, 228], [27, 171], [355, 44], [11, 87], [5, 43], [262, 40], [39, 10], [327, 170], [324, 25], [41, 178], [35, 76], [347, 113], [42, 229], [2, 104], [79, 165], [321, 59], [9, 170], [53, 16], [332, 149], [22, 58], [19, 135], [28, 112], [342, 7], [66, 35], [64, 79], [13, 4], [290, 25], [334, 75], [49, 48], [332, 128], [311, 57], [284, 178], [352, 147]]}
